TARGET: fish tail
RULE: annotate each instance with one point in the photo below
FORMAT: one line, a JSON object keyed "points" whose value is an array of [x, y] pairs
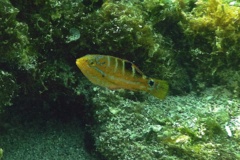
{"points": [[160, 89]]}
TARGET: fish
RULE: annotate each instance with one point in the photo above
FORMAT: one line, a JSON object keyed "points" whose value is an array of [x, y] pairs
{"points": [[116, 73]]}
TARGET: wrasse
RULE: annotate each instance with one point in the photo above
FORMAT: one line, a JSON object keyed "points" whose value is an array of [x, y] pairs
{"points": [[116, 73]]}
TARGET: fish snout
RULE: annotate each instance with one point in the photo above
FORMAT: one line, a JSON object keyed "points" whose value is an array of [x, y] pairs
{"points": [[79, 62]]}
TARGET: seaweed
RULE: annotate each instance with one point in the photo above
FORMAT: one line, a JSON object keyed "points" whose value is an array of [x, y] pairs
{"points": [[212, 32]]}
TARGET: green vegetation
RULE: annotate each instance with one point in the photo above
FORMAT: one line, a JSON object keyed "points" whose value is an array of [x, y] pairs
{"points": [[212, 32], [215, 23], [15, 49], [8, 89]]}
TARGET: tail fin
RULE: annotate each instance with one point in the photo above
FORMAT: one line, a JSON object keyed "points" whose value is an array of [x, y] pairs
{"points": [[159, 89]]}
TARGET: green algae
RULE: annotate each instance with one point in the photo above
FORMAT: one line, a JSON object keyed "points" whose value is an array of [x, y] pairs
{"points": [[15, 45], [211, 29], [31, 34], [8, 89], [216, 23]]}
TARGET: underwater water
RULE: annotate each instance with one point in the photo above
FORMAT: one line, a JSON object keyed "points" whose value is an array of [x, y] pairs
{"points": [[168, 87]]}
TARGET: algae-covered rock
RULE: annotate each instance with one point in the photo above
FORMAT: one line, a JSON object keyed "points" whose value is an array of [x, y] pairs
{"points": [[8, 89], [122, 27], [33, 35], [216, 24], [36, 66], [189, 127], [15, 49], [53, 26], [212, 32]]}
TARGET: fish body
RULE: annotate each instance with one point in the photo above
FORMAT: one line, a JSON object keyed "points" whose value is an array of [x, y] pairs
{"points": [[116, 73]]}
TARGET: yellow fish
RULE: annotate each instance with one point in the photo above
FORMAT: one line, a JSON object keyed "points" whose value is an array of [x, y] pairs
{"points": [[116, 73]]}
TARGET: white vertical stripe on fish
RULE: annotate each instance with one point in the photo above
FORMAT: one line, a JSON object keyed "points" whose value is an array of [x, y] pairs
{"points": [[108, 61], [116, 65], [133, 71], [123, 67]]}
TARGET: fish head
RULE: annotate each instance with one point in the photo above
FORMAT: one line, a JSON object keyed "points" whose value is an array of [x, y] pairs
{"points": [[92, 66], [86, 62]]}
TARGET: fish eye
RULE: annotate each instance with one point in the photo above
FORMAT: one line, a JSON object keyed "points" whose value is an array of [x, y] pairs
{"points": [[91, 62], [151, 83]]}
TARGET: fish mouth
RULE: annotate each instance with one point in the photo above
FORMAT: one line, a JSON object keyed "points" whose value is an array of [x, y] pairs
{"points": [[82, 62], [79, 62]]}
